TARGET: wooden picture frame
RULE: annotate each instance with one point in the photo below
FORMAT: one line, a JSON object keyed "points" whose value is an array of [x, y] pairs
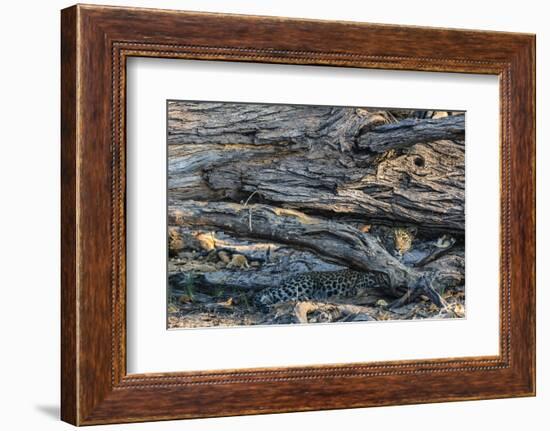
{"points": [[96, 41]]}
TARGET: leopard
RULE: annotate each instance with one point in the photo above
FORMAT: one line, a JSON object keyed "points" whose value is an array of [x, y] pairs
{"points": [[319, 286], [403, 238]]}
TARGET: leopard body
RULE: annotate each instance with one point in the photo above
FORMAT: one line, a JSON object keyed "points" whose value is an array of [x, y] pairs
{"points": [[319, 286]]}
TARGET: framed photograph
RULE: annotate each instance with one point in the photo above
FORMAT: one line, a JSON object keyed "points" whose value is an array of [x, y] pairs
{"points": [[263, 214]]}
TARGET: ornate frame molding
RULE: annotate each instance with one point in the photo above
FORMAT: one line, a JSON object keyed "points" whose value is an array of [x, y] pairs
{"points": [[96, 41]]}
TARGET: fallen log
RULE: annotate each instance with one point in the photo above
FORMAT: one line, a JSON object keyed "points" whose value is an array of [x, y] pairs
{"points": [[408, 132], [278, 263], [424, 186], [206, 135], [319, 158], [336, 241], [186, 164], [299, 126], [449, 269]]}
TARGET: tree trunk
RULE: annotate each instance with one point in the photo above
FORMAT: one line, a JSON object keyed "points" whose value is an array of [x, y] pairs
{"points": [[319, 159], [423, 187]]}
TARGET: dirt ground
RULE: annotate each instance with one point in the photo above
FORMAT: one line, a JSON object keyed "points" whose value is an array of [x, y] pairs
{"points": [[201, 306]]}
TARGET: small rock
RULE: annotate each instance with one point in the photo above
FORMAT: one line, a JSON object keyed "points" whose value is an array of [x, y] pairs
{"points": [[227, 303], [185, 255], [185, 299], [224, 256], [175, 241], [459, 310], [238, 261], [206, 241], [439, 114]]}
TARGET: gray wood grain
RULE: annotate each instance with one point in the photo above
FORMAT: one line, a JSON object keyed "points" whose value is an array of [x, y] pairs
{"points": [[338, 241], [413, 131], [317, 158]]}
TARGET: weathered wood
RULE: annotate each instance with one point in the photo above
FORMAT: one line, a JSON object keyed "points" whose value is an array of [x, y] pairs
{"points": [[332, 312], [408, 132], [340, 242], [187, 162], [449, 269], [427, 251], [295, 126], [424, 186], [277, 262], [266, 252], [312, 158], [206, 135]]}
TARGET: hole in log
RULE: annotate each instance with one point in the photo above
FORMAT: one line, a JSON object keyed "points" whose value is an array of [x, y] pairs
{"points": [[419, 161]]}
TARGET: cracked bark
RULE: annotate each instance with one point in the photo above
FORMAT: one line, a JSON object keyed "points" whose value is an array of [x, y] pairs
{"points": [[338, 241], [319, 159], [413, 131], [308, 174]]}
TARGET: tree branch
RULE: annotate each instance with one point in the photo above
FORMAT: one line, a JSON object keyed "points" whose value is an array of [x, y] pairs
{"points": [[339, 242], [408, 132]]}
